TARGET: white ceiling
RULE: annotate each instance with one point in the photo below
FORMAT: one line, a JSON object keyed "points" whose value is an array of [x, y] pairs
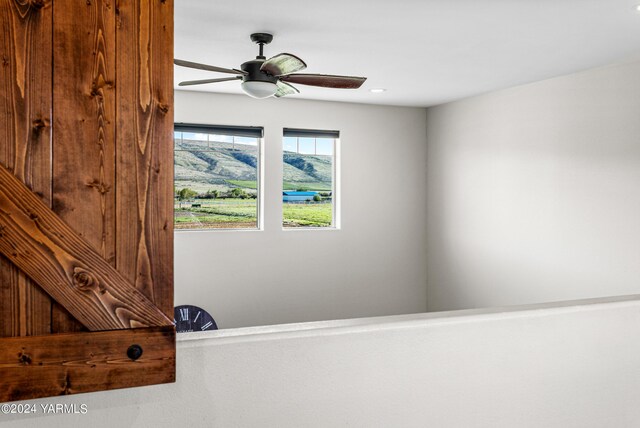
{"points": [[424, 52]]}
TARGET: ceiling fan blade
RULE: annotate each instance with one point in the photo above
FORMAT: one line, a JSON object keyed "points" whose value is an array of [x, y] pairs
{"points": [[326, 80], [285, 89], [201, 82], [190, 64], [282, 64]]}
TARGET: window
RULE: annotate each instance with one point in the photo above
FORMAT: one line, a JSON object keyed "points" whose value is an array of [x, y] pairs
{"points": [[309, 178], [217, 177]]}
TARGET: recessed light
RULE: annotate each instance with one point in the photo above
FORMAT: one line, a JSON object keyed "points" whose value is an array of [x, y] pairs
{"points": [[377, 90], [638, 8]]}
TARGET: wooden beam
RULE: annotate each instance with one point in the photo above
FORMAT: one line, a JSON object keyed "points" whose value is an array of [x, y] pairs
{"points": [[36, 240], [72, 363]]}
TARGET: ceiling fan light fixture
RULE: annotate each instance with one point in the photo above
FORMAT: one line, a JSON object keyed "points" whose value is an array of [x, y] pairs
{"points": [[259, 89]]}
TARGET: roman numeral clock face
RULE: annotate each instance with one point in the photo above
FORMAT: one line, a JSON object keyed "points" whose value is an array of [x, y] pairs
{"points": [[192, 318]]}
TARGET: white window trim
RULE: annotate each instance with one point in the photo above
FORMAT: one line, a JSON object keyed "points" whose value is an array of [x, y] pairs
{"points": [[336, 195], [259, 206]]}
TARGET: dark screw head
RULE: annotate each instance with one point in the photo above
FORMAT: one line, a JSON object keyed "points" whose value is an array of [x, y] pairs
{"points": [[134, 352]]}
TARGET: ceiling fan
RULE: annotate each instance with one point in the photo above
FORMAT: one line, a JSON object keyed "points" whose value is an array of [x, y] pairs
{"points": [[262, 77]]}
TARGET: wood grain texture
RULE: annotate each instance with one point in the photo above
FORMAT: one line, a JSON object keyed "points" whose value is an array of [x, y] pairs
{"points": [[66, 266], [44, 366], [144, 147], [84, 54], [25, 132], [86, 120]]}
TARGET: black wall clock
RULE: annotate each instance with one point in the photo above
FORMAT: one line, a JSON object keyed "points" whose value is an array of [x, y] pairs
{"points": [[192, 318]]}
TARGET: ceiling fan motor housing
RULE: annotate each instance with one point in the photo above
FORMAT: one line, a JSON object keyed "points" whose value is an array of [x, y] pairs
{"points": [[254, 74]]}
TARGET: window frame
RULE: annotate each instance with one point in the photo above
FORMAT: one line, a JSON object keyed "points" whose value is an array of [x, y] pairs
{"points": [[238, 131], [336, 193]]}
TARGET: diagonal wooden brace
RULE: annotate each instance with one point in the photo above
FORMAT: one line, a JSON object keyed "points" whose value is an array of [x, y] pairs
{"points": [[46, 249]]}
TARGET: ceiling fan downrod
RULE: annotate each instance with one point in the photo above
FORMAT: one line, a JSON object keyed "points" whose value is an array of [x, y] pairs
{"points": [[261, 39]]}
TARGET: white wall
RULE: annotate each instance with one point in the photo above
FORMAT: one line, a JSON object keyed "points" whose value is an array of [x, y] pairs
{"points": [[552, 367], [373, 266], [534, 192]]}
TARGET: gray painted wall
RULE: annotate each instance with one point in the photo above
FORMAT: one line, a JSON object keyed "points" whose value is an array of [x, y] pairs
{"points": [[534, 192], [373, 266]]}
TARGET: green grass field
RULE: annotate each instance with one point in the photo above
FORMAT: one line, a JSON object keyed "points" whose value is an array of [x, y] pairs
{"points": [[242, 214], [217, 214], [246, 184], [307, 215]]}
